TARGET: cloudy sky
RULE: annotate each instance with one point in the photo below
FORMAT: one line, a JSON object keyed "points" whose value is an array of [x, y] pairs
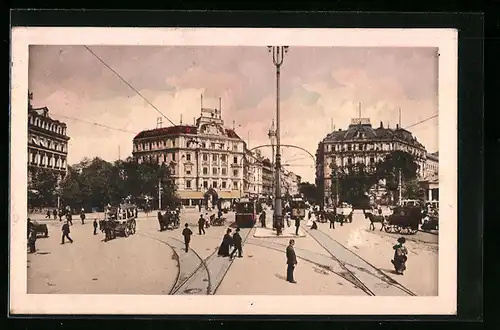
{"points": [[318, 85]]}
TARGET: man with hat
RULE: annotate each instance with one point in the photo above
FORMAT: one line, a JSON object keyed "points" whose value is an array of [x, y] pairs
{"points": [[237, 244]]}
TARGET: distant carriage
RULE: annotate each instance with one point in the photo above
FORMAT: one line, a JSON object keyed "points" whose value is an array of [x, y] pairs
{"points": [[170, 220], [404, 220], [119, 221]]}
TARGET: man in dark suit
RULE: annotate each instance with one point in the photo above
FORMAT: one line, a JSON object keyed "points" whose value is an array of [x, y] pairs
{"points": [[237, 241], [187, 236], [297, 226], [65, 232], [291, 260]]}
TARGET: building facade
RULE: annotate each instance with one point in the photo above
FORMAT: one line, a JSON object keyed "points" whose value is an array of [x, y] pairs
{"points": [[201, 156], [252, 178], [291, 182], [47, 142], [361, 143], [267, 178], [430, 181]]}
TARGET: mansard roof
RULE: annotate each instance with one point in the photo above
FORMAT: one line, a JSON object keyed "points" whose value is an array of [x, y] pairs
{"points": [[177, 130]]}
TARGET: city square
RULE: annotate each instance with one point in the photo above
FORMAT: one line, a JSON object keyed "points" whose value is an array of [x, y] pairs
{"points": [[351, 208]]}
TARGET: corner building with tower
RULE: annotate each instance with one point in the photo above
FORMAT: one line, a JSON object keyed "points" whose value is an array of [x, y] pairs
{"points": [[200, 156]]}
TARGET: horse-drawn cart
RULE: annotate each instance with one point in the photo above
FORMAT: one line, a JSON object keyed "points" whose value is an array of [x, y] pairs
{"points": [[119, 221], [404, 220], [344, 213]]}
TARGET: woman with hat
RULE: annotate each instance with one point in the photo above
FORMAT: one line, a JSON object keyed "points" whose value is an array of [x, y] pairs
{"points": [[226, 244], [400, 256]]}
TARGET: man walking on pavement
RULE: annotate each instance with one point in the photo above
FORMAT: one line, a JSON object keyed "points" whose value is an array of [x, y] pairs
{"points": [[54, 213], [95, 226], [82, 216], [291, 261], [262, 219], [201, 225], [297, 226], [66, 231], [187, 236], [237, 241]]}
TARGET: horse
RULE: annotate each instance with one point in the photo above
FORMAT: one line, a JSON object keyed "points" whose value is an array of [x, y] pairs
{"points": [[375, 219]]}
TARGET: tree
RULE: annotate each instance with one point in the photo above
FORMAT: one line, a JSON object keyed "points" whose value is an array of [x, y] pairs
{"points": [[353, 183], [390, 167], [412, 190], [42, 187], [310, 192]]}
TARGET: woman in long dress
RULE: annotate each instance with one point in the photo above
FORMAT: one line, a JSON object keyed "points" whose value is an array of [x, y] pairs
{"points": [[400, 257], [226, 244]]}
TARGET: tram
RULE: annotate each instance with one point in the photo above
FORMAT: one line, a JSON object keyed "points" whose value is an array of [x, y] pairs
{"points": [[298, 206], [245, 216]]}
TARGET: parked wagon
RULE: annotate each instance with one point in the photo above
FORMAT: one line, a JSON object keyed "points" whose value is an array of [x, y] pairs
{"points": [[245, 216], [120, 221], [431, 222], [404, 220], [298, 206]]}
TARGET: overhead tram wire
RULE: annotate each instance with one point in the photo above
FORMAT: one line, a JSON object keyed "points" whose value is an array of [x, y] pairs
{"points": [[95, 124], [422, 121], [129, 85]]}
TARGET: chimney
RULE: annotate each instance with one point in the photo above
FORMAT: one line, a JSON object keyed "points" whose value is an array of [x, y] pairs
{"points": [[381, 125]]}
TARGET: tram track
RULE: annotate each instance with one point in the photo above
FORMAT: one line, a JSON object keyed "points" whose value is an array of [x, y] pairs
{"points": [[216, 267], [368, 278]]}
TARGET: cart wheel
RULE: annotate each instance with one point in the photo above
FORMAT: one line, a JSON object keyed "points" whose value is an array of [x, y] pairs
{"points": [[388, 229], [126, 232], [397, 229]]}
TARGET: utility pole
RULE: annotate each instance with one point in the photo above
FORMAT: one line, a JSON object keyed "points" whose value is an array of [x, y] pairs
{"points": [[399, 188], [159, 194], [119, 153]]}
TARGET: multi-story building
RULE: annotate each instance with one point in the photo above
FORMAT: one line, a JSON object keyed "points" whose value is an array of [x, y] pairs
{"points": [[430, 181], [291, 182], [267, 178], [252, 174], [47, 141], [361, 143], [201, 156]]}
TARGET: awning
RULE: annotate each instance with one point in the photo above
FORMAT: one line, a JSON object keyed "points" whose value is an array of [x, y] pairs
{"points": [[190, 194]]}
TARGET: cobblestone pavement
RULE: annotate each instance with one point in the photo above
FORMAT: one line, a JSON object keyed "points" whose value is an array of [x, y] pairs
{"points": [[347, 260]]}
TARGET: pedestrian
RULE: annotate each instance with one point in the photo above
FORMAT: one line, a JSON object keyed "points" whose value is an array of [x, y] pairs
{"points": [[60, 214], [227, 242], [297, 226], [47, 216], [331, 217], [201, 225], [400, 256], [30, 227], [160, 220], [69, 218], [314, 225], [95, 226], [187, 236], [238, 244], [82, 216], [65, 232], [207, 221], [54, 213], [32, 242], [291, 261], [262, 219]]}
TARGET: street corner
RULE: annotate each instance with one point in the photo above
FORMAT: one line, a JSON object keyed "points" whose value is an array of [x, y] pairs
{"points": [[288, 232]]}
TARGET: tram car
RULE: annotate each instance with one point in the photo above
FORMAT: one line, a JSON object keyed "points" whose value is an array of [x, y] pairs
{"points": [[298, 206], [245, 216], [120, 221], [344, 213], [404, 220]]}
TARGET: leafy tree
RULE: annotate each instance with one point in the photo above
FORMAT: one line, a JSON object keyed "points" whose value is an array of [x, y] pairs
{"points": [[389, 168], [412, 190], [42, 187], [354, 182], [310, 192]]}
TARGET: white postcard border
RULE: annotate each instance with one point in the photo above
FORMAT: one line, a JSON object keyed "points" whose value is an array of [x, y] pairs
{"points": [[444, 303]]}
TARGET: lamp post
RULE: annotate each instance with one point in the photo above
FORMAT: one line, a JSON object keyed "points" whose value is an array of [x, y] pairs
{"points": [[278, 55]]}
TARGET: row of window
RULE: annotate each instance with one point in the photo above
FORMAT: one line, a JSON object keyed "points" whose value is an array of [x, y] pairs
{"points": [[205, 158], [47, 143], [215, 171], [171, 143], [369, 147], [224, 185], [47, 125], [45, 160]]}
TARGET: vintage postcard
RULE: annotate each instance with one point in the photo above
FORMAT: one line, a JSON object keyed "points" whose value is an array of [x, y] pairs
{"points": [[233, 171]]}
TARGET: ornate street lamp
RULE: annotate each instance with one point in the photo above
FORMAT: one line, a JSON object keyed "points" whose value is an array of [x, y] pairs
{"points": [[278, 56]]}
